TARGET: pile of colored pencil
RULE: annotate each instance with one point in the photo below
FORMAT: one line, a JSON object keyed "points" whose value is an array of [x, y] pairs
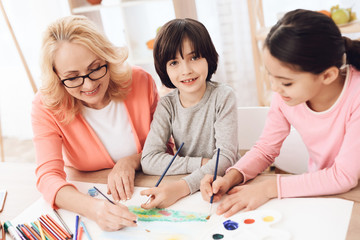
{"points": [[45, 228]]}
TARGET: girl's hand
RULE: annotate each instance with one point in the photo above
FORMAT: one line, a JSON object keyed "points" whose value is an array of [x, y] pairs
{"points": [[165, 195], [247, 197], [218, 188], [122, 176], [112, 217]]}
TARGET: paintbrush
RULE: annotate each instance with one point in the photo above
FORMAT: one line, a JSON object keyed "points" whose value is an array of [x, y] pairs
{"points": [[215, 173], [167, 168]]}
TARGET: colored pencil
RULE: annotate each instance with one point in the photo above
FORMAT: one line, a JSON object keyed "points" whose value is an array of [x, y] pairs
{"points": [[47, 234], [21, 233], [80, 233], [67, 235], [53, 227], [215, 174], [85, 230], [36, 229], [103, 195], [76, 227], [63, 223], [26, 232], [40, 230], [167, 168], [31, 231], [106, 197], [45, 227]]}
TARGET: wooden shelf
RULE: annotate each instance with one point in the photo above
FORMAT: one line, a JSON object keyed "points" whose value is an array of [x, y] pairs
{"points": [[258, 35]]}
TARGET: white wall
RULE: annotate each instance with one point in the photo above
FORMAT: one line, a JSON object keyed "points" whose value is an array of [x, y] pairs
{"points": [[29, 18]]}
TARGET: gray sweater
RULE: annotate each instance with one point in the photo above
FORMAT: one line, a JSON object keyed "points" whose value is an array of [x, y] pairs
{"points": [[204, 127]]}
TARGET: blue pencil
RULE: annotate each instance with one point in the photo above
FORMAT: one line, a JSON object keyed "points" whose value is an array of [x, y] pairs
{"points": [[85, 230], [215, 174], [76, 226], [167, 168]]}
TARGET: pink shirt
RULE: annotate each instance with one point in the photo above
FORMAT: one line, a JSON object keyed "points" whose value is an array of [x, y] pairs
{"points": [[77, 145], [332, 139]]}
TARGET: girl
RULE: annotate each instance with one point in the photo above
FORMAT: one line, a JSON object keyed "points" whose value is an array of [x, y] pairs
{"points": [[92, 112], [200, 113], [316, 93]]}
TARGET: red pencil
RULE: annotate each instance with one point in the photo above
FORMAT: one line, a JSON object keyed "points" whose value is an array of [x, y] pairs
{"points": [[32, 231], [53, 226], [26, 232], [46, 232], [50, 230], [80, 233], [61, 228]]}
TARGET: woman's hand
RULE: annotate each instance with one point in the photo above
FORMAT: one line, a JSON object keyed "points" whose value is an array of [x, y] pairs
{"points": [[122, 176], [112, 217], [247, 197], [166, 194]]}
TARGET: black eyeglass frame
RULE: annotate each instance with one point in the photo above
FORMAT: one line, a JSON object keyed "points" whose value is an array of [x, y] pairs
{"points": [[85, 76]]}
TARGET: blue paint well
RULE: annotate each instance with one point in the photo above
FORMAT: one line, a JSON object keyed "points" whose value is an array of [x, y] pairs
{"points": [[230, 225]]}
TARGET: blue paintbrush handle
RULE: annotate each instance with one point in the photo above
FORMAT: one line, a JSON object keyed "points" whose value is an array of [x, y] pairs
{"points": [[167, 168], [215, 172]]}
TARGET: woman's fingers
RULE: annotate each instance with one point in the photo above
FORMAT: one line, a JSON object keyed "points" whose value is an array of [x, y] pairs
{"points": [[126, 188]]}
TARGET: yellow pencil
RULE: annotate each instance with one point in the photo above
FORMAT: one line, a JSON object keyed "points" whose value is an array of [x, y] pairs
{"points": [[40, 230]]}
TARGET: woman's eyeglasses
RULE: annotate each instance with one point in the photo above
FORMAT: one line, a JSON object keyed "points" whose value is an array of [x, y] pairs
{"points": [[79, 80]]}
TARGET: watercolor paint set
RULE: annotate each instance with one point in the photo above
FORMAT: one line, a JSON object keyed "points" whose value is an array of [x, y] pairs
{"points": [[252, 225]]}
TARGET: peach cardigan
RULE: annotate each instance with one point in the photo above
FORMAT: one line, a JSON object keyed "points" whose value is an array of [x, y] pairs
{"points": [[77, 145]]}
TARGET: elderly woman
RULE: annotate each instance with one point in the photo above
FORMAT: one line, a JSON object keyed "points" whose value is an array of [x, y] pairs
{"points": [[92, 112]]}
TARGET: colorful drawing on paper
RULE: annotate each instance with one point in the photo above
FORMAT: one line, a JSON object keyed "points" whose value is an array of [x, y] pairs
{"points": [[247, 225], [167, 215]]}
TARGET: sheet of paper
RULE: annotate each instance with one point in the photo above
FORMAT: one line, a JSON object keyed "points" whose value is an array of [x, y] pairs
{"points": [[302, 218]]}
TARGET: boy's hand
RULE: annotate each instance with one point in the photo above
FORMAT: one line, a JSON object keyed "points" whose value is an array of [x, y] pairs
{"points": [[218, 188], [166, 194]]}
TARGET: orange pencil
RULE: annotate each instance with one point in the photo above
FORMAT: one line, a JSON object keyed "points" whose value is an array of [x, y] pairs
{"points": [[53, 227], [32, 231], [26, 232], [81, 230], [59, 227], [49, 232]]}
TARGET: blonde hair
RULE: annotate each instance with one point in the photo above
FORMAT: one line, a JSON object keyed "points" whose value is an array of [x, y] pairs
{"points": [[80, 30]]}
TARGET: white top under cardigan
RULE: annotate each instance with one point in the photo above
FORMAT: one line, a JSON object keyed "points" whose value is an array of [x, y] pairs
{"points": [[111, 124]]}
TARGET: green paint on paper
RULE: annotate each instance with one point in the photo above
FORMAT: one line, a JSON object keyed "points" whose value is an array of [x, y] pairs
{"points": [[166, 215]]}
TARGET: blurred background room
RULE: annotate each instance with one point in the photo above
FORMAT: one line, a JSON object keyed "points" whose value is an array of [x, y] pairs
{"points": [[237, 28]]}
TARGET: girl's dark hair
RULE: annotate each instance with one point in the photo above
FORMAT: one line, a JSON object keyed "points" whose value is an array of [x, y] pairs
{"points": [[310, 41], [169, 41]]}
